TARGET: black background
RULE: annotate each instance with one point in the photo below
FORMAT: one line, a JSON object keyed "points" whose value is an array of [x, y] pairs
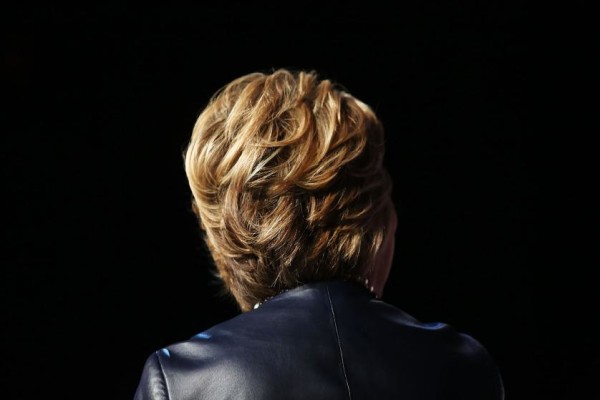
{"points": [[101, 257]]}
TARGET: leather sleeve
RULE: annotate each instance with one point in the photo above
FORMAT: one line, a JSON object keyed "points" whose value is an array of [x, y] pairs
{"points": [[152, 385]]}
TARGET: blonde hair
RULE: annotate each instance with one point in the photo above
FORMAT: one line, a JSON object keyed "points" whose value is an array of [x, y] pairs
{"points": [[288, 183]]}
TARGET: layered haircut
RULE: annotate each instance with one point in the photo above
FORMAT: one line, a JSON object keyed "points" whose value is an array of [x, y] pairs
{"points": [[288, 184]]}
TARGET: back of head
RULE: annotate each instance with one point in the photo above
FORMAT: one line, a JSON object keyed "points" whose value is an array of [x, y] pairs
{"points": [[288, 183]]}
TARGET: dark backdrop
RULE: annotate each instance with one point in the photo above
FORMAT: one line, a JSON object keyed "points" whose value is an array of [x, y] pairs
{"points": [[102, 261]]}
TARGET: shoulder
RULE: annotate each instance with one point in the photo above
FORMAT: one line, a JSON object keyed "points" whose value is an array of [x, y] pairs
{"points": [[152, 385], [188, 369], [471, 371], [433, 353], [183, 370]]}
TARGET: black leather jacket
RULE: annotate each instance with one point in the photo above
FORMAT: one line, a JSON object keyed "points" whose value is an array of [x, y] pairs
{"points": [[326, 340]]}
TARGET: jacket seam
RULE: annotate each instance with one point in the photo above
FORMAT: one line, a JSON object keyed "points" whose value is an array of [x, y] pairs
{"points": [[164, 376], [339, 342]]}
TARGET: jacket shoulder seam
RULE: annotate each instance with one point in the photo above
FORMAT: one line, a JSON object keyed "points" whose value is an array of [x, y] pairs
{"points": [[164, 376]]}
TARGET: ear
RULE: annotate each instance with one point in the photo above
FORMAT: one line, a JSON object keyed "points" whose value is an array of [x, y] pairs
{"points": [[379, 272]]}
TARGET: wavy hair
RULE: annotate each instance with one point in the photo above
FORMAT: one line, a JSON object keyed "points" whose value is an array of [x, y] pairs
{"points": [[288, 183]]}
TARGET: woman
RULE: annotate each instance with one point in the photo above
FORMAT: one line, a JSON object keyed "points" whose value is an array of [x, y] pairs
{"points": [[294, 205]]}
